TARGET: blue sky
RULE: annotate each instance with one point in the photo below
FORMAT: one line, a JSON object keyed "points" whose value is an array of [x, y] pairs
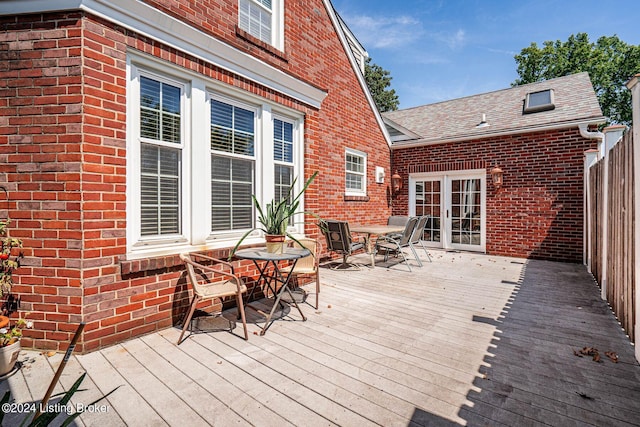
{"points": [[438, 50]]}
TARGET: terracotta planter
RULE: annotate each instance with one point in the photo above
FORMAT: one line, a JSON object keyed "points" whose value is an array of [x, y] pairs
{"points": [[9, 357], [275, 243]]}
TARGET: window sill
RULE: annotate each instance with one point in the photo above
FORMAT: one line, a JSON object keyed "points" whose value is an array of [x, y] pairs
{"points": [[260, 44], [149, 264], [350, 198]]}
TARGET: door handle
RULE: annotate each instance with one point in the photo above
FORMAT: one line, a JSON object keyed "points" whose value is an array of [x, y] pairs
{"points": [[447, 213]]}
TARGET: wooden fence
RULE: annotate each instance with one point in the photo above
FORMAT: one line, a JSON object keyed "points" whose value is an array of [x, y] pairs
{"points": [[615, 211], [596, 223]]}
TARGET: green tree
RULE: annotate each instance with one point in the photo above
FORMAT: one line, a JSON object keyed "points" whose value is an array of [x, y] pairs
{"points": [[609, 61], [379, 81]]}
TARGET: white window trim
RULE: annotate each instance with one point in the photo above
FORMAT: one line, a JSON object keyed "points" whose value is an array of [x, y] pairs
{"points": [[196, 162], [134, 139], [298, 162], [351, 192], [277, 23], [259, 150]]}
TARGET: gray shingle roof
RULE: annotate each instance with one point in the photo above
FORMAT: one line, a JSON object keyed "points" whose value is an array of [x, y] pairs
{"points": [[575, 101]]}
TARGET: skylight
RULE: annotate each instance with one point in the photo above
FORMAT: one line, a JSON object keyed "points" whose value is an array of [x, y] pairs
{"points": [[539, 101]]}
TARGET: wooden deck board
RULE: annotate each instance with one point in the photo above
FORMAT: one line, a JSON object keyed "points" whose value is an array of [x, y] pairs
{"points": [[468, 339]]}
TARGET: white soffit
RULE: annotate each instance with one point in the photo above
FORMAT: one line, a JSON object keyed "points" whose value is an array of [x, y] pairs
{"points": [[151, 22]]}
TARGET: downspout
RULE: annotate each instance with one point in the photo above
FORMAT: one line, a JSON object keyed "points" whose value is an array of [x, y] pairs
{"points": [[585, 133]]}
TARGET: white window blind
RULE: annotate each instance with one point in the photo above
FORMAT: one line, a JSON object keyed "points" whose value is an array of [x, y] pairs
{"points": [[160, 165], [232, 166], [256, 18], [283, 158]]}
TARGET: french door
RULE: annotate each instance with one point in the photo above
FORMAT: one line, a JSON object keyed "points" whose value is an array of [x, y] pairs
{"points": [[456, 203]]}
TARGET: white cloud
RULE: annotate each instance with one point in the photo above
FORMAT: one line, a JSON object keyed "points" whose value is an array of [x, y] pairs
{"points": [[392, 32], [384, 32], [454, 40]]}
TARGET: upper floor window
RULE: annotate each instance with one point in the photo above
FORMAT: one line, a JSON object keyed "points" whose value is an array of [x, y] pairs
{"points": [[263, 19], [355, 172]]}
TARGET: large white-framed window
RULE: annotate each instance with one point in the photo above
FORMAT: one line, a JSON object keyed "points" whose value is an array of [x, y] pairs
{"points": [[160, 113], [355, 173], [263, 19], [233, 164], [197, 151]]}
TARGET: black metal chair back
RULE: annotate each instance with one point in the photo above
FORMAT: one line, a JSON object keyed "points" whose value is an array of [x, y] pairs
{"points": [[338, 237]]}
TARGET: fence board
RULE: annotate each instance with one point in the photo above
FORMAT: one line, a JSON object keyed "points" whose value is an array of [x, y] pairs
{"points": [[595, 218], [620, 245]]}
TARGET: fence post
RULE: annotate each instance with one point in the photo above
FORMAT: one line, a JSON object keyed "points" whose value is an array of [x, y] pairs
{"points": [[612, 135], [590, 158], [634, 86]]}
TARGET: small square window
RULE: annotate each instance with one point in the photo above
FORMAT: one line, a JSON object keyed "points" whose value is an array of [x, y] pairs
{"points": [[355, 172], [539, 101]]}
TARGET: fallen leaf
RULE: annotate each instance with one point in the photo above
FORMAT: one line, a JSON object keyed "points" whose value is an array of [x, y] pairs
{"points": [[583, 395], [589, 351], [612, 356]]}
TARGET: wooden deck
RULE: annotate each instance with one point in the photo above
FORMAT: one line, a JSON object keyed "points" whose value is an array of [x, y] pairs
{"points": [[468, 339]]}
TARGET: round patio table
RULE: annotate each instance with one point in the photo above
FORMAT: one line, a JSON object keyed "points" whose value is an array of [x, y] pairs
{"points": [[263, 260]]}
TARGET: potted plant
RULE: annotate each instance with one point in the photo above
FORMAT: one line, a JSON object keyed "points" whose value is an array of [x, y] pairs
{"points": [[7, 265], [275, 218], [9, 335], [10, 343]]}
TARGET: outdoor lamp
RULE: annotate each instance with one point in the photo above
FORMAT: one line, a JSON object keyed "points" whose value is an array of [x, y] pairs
{"points": [[396, 182], [496, 177]]}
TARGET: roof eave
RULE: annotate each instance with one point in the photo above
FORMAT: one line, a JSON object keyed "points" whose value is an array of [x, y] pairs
{"points": [[527, 129]]}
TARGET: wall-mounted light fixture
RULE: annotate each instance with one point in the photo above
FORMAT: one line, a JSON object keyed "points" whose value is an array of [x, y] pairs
{"points": [[496, 176], [396, 182]]}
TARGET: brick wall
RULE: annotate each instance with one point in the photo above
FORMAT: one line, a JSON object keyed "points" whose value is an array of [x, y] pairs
{"points": [[63, 152], [538, 212], [41, 145]]}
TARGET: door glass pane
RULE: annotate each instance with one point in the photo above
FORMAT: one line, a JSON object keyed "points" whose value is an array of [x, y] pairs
{"points": [[428, 203], [465, 212]]}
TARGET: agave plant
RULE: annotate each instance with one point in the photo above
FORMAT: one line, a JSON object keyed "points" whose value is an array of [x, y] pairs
{"points": [[275, 217]]}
